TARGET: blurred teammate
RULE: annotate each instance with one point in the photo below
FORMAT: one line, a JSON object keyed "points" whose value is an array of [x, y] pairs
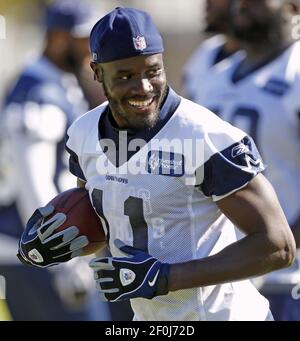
{"points": [[168, 191], [259, 92], [44, 101], [211, 51]]}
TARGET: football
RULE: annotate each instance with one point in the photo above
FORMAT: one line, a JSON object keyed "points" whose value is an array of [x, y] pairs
{"points": [[75, 203]]}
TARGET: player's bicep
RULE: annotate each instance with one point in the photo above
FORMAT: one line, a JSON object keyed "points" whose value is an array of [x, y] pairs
{"points": [[255, 208]]}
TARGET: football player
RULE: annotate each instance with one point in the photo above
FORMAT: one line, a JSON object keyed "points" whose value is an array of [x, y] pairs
{"points": [[211, 51], [43, 102], [259, 92], [168, 179]]}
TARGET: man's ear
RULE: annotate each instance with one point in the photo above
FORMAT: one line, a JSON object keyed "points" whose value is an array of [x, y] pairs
{"points": [[97, 71]]}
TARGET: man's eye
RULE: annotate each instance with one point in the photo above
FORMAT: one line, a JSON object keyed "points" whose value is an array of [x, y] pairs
{"points": [[124, 78], [154, 73]]}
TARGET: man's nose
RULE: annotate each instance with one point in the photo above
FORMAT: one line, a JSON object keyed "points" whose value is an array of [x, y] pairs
{"points": [[142, 86]]}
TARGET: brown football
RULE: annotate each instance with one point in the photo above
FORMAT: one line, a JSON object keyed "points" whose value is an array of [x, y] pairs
{"points": [[75, 203]]}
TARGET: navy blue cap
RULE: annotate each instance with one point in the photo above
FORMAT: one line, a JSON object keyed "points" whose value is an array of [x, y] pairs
{"points": [[124, 33], [72, 16]]}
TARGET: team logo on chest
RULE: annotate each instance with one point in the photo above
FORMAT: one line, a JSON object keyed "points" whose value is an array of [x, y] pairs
{"points": [[165, 163]]}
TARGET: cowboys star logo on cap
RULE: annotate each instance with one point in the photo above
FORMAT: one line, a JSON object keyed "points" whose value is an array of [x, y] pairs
{"points": [[139, 43]]}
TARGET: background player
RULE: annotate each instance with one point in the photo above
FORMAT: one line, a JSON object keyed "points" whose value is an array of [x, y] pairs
{"points": [[259, 93], [149, 210], [211, 51], [44, 101]]}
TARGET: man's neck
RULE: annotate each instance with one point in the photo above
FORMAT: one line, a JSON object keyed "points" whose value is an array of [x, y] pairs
{"points": [[257, 52]]}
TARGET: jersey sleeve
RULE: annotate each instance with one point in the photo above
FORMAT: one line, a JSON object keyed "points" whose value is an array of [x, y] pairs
{"points": [[73, 148], [232, 160]]}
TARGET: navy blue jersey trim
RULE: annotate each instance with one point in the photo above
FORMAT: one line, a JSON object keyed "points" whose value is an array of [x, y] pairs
{"points": [[74, 165], [231, 169]]}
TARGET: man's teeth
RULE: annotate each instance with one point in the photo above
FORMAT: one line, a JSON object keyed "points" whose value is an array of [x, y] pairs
{"points": [[140, 103]]}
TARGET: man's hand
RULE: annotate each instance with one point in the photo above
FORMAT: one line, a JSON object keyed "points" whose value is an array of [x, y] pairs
{"points": [[40, 246], [138, 275]]}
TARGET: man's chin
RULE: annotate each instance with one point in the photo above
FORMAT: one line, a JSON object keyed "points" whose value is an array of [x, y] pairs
{"points": [[147, 123]]}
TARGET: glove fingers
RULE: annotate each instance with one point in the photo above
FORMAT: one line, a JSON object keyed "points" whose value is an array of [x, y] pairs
{"points": [[126, 249], [79, 243], [103, 275], [34, 222], [46, 210], [61, 238], [102, 281], [108, 290], [98, 264], [106, 284], [66, 257], [76, 245], [48, 227]]}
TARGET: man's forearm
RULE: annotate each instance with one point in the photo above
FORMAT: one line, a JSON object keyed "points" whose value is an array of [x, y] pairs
{"points": [[252, 256]]}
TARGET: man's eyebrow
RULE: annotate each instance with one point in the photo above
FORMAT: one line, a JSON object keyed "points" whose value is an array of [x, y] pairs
{"points": [[154, 65], [123, 71], [150, 66]]}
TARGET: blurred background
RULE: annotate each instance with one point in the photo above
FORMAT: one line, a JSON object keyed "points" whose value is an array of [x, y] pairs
{"points": [[179, 21], [22, 40]]}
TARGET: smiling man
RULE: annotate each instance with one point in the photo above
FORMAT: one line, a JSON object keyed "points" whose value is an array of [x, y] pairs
{"points": [[134, 107], [170, 226]]}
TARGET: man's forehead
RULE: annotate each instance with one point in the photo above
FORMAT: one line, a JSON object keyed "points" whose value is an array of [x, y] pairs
{"points": [[142, 61]]}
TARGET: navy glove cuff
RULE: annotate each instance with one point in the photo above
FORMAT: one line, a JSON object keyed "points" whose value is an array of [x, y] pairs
{"points": [[163, 280]]}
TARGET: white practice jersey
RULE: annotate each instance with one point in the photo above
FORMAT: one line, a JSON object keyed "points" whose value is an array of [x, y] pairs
{"points": [[164, 202], [266, 104], [201, 64]]}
